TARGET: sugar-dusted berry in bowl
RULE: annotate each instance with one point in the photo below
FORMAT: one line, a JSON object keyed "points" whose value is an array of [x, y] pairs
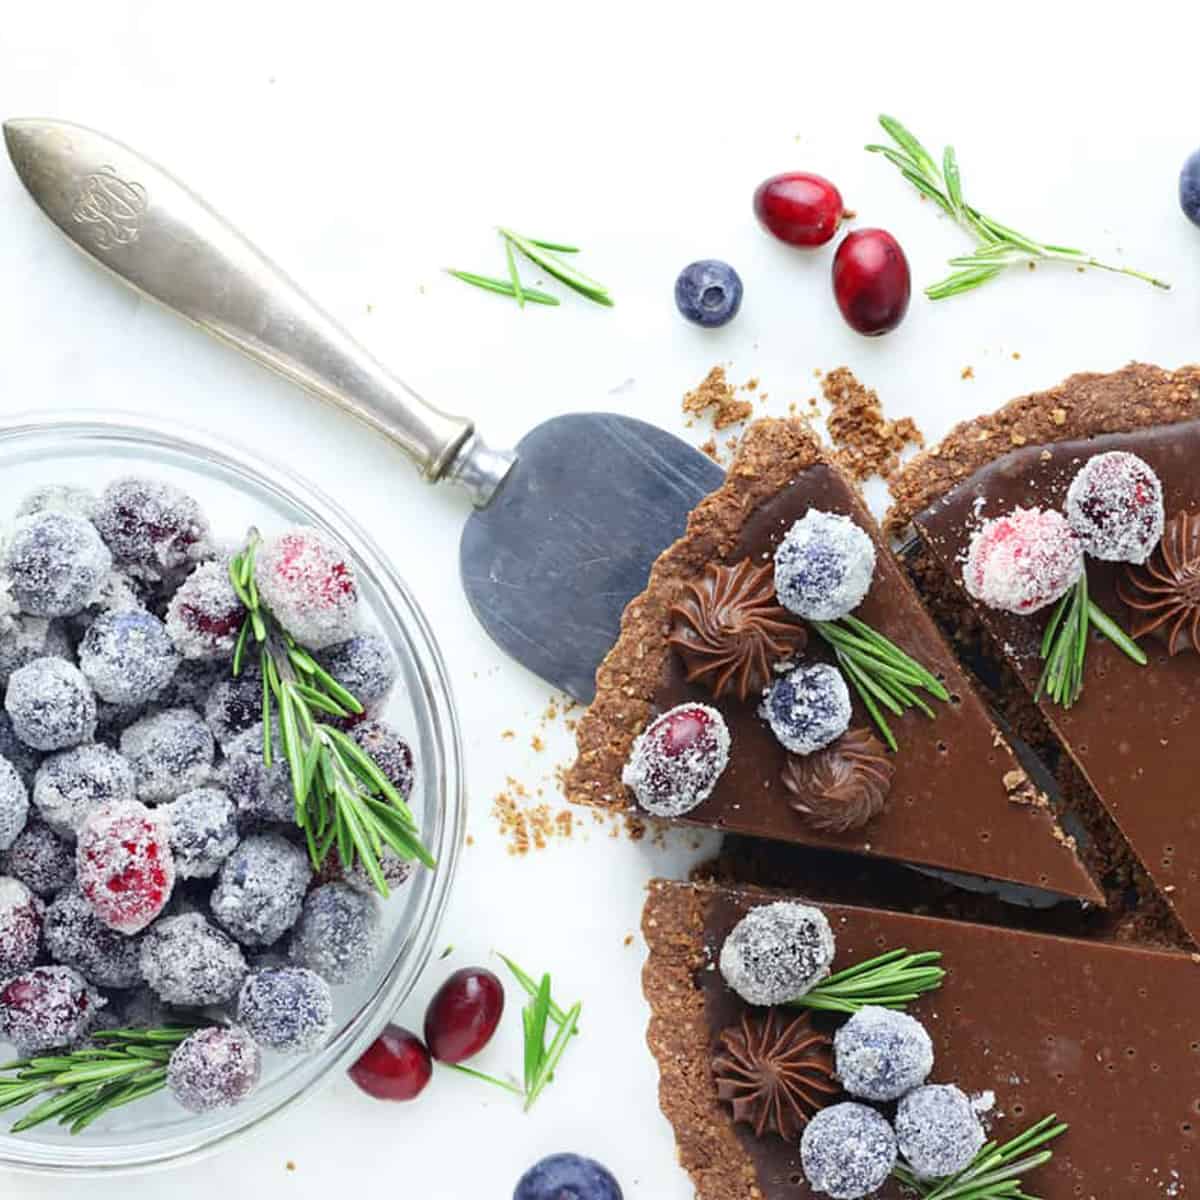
{"points": [[229, 796]]}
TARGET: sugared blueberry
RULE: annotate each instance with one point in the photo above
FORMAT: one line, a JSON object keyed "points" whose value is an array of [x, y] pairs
{"points": [[171, 753], [188, 962], [259, 790], [214, 1068], [364, 665], [261, 888], [463, 1014], [708, 292], [880, 1054], [51, 705], [234, 705], [127, 657], [77, 938], [847, 1151], [395, 1066], [1115, 507], [20, 927], [23, 757], [55, 562], [390, 752], [824, 566], [567, 1177], [777, 952], [124, 865], [205, 614], [308, 583], [40, 859], [799, 208], [808, 708], [59, 497], [191, 684], [1023, 561], [1189, 187], [14, 804], [151, 527], [30, 638], [72, 784], [938, 1130], [46, 1008], [202, 829], [338, 933], [676, 762], [287, 1009]]}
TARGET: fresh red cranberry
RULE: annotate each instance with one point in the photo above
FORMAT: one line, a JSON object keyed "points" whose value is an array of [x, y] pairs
{"points": [[799, 208], [395, 1066], [463, 1015], [871, 281]]}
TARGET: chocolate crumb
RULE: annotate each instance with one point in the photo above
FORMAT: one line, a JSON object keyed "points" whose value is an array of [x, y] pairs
{"points": [[289, 1165], [537, 743], [628, 939], [868, 444], [968, 373], [710, 448], [716, 394]]}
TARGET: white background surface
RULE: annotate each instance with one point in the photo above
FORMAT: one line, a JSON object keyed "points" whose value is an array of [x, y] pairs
{"points": [[366, 146]]}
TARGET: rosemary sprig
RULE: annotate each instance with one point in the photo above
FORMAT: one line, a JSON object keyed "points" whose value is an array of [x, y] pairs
{"points": [[998, 245], [545, 255], [343, 800], [1064, 644], [995, 1172], [540, 1060], [504, 287], [891, 980], [882, 674], [83, 1085]]}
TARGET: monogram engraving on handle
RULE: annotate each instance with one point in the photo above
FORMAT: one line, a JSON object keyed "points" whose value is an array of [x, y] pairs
{"points": [[113, 206]]}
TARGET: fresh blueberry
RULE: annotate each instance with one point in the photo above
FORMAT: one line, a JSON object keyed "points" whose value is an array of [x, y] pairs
{"points": [[567, 1177], [1189, 188], [708, 292]]}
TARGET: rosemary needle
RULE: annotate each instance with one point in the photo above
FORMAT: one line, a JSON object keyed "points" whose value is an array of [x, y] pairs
{"points": [[891, 980], [503, 286]]}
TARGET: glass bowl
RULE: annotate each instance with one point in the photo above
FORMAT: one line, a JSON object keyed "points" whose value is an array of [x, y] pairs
{"points": [[237, 489]]}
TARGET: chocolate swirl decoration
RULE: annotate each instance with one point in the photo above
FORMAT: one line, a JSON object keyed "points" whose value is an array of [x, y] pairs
{"points": [[729, 629], [843, 786], [1164, 594], [775, 1073]]}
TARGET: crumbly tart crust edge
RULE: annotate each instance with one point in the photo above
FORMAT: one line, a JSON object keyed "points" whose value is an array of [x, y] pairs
{"points": [[1137, 396]]}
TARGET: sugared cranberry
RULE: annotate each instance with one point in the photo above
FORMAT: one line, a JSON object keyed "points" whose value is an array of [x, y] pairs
{"points": [[1023, 561], [676, 762], [799, 208], [395, 1066], [308, 582], [124, 863], [463, 1015], [871, 281], [1115, 506]]}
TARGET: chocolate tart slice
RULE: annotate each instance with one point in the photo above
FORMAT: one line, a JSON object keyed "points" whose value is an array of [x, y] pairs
{"points": [[954, 798], [1102, 1034], [1132, 732]]}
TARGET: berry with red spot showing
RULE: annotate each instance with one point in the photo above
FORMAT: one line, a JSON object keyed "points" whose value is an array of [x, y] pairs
{"points": [[20, 927], [214, 1068], [308, 582], [124, 864], [205, 614], [151, 527], [1115, 507], [676, 762], [395, 1066], [1024, 560], [46, 1008]]}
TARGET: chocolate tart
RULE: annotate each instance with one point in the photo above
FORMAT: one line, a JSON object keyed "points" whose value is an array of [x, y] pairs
{"points": [[1131, 735], [958, 802], [1099, 1033]]}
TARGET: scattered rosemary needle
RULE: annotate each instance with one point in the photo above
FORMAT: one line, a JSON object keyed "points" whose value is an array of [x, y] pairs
{"points": [[998, 245], [545, 255], [891, 980]]}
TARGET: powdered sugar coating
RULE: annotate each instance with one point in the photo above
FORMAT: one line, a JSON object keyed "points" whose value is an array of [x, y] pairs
{"points": [[287, 1009], [676, 762], [847, 1151], [40, 859], [777, 952], [214, 1068], [55, 562], [51, 705], [391, 753], [202, 827], [189, 962], [127, 657], [261, 888], [14, 804], [46, 1008], [234, 705], [1022, 561], [308, 582], [1115, 507], [338, 933], [171, 753], [364, 665], [77, 938], [205, 614], [124, 865], [938, 1130], [823, 566], [59, 497], [151, 527], [29, 638], [20, 927], [808, 708], [258, 790], [23, 757], [72, 784], [396, 871], [191, 684], [880, 1054]]}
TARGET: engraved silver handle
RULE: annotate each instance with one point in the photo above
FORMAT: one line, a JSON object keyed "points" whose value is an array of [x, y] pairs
{"points": [[150, 231]]}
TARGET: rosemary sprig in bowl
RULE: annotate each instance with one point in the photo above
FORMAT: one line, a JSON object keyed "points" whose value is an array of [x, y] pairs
{"points": [[891, 980]]}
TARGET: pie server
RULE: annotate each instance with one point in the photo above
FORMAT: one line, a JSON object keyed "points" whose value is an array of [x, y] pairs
{"points": [[565, 528]]}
